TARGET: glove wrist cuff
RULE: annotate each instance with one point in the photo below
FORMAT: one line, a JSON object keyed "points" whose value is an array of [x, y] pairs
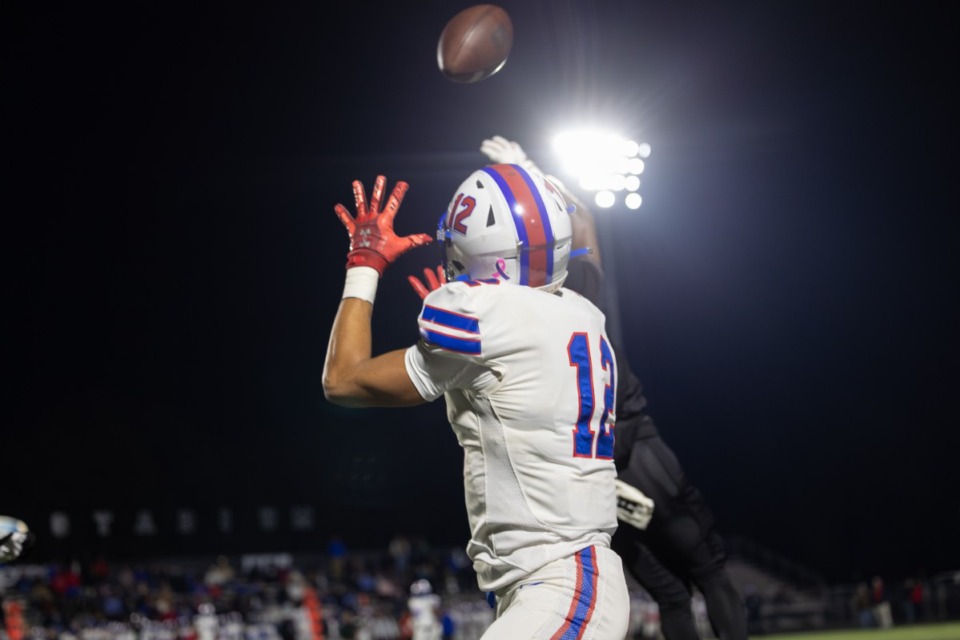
{"points": [[367, 258], [361, 282]]}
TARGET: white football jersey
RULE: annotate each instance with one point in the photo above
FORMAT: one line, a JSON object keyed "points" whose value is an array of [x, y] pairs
{"points": [[423, 616], [529, 380]]}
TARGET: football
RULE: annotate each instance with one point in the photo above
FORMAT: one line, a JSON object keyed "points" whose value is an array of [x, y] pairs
{"points": [[475, 43]]}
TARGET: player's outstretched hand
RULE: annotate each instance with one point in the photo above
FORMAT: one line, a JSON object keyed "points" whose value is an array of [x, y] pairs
{"points": [[433, 281], [373, 242], [503, 151]]}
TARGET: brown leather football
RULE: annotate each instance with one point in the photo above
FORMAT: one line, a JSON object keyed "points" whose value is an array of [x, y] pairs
{"points": [[475, 43]]}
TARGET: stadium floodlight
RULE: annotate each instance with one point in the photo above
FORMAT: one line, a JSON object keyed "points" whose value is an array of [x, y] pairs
{"points": [[633, 200], [635, 166], [604, 163], [605, 199]]}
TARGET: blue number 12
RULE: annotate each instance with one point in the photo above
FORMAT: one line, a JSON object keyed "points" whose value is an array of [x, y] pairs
{"points": [[578, 351]]}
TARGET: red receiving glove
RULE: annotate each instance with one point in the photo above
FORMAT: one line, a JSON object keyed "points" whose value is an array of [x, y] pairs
{"points": [[434, 281], [373, 242]]}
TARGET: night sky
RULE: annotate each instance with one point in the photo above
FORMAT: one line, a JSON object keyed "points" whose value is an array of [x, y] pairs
{"points": [[788, 292]]}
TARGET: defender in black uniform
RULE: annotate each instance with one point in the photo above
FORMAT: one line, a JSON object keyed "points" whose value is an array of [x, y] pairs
{"points": [[680, 547]]}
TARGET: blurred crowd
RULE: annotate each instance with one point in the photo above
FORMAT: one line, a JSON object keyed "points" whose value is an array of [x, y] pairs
{"points": [[343, 594], [336, 595]]}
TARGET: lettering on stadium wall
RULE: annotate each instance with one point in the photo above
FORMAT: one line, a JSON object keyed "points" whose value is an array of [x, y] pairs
{"points": [[134, 532], [107, 523]]}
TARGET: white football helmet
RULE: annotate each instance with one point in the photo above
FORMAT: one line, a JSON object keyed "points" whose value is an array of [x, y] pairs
{"points": [[421, 587], [507, 223]]}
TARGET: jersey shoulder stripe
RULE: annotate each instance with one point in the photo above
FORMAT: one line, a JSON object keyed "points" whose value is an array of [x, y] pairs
{"points": [[451, 343], [449, 321]]}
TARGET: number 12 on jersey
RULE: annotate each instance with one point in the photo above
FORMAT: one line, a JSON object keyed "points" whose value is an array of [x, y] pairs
{"points": [[588, 443]]}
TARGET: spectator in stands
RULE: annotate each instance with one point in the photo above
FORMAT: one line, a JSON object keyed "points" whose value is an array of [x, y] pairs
{"points": [[337, 550], [909, 610], [219, 573], [400, 551], [862, 606], [448, 626], [349, 625], [913, 600], [753, 600], [880, 599]]}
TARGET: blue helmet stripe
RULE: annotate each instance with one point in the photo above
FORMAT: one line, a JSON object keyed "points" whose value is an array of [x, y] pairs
{"points": [[532, 222], [544, 218]]}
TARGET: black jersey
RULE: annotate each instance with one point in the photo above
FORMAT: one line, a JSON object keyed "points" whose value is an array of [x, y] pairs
{"points": [[586, 278]]}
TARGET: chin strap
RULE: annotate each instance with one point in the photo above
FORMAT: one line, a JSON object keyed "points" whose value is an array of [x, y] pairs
{"points": [[553, 286]]}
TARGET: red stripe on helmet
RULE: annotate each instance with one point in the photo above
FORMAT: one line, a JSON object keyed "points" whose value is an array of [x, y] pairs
{"points": [[527, 212]]}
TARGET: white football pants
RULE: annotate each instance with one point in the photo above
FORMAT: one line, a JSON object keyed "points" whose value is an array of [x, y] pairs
{"points": [[581, 597]]}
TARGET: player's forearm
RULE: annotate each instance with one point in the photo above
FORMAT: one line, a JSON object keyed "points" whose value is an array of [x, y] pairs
{"points": [[586, 238], [585, 233], [351, 377], [583, 225], [349, 347]]}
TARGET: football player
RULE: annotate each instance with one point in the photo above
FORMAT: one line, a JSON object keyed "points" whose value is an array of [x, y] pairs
{"points": [[424, 607], [529, 380], [671, 544]]}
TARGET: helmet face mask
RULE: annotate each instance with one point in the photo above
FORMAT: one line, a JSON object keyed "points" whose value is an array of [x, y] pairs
{"points": [[508, 224]]}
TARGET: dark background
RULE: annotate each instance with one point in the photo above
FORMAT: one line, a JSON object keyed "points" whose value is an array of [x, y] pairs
{"points": [[788, 290]]}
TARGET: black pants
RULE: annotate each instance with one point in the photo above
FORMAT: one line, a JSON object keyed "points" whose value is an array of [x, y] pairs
{"points": [[679, 548]]}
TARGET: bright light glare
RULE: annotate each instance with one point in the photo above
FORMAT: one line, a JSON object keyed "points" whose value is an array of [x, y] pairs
{"points": [[586, 150], [616, 182], [591, 182], [605, 199], [633, 200], [602, 162]]}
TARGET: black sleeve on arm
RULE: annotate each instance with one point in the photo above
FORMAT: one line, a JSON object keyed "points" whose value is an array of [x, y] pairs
{"points": [[630, 400], [586, 278], [633, 423]]}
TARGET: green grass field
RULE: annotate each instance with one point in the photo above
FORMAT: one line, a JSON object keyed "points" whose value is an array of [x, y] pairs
{"points": [[945, 631]]}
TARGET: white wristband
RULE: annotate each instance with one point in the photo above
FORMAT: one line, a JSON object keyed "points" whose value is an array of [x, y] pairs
{"points": [[361, 283]]}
